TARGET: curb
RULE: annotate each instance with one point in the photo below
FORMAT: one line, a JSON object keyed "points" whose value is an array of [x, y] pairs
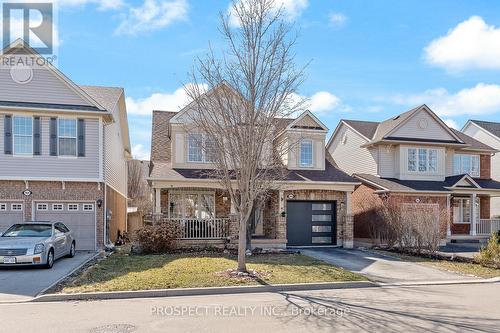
{"points": [[201, 291]]}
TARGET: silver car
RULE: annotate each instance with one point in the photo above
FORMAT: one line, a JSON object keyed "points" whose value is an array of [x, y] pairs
{"points": [[36, 243]]}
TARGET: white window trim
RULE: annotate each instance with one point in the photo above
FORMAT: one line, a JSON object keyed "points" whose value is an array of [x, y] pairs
{"points": [[38, 205], [14, 138], [478, 210], [12, 205], [54, 205], [312, 153], [3, 206], [469, 172], [203, 152], [417, 161], [67, 137], [86, 207], [198, 193], [73, 204]]}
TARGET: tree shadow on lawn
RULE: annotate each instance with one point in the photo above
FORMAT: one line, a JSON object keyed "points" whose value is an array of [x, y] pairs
{"points": [[385, 312]]}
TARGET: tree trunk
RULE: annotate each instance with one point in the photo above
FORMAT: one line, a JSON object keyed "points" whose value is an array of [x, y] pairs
{"points": [[242, 245]]}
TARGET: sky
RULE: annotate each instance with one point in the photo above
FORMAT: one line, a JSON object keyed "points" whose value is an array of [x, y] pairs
{"points": [[369, 60]]}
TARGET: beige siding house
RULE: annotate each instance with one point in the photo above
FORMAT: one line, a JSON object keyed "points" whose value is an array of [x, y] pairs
{"points": [[311, 208], [417, 159], [63, 152]]}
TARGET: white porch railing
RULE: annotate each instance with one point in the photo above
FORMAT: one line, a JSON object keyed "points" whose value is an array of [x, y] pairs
{"points": [[487, 226], [216, 228]]}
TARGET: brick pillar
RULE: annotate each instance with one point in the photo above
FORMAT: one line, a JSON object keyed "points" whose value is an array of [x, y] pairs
{"points": [[233, 227], [280, 227]]}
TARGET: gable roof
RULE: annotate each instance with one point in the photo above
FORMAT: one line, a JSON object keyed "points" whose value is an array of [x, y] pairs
{"points": [[79, 99], [307, 113], [378, 131], [492, 127]]}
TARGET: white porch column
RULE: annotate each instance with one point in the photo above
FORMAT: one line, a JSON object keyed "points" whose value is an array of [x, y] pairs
{"points": [[448, 215], [474, 215], [158, 200]]}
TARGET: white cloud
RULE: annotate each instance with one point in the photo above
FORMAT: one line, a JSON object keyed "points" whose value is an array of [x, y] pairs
{"points": [[451, 123], [481, 99], [101, 4], [320, 102], [291, 10], [337, 20], [140, 153], [159, 101], [152, 15], [471, 44]]}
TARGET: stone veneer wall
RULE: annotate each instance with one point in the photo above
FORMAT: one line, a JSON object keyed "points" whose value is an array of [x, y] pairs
{"points": [[85, 191], [344, 225]]}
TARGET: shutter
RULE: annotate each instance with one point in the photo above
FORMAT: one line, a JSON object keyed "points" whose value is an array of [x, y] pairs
{"points": [[7, 129], [37, 144], [81, 137], [53, 136]]}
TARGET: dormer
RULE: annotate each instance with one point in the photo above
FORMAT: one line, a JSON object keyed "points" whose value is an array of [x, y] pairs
{"points": [[303, 143]]}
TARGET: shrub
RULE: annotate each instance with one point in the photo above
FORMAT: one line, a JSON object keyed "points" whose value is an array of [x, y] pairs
{"points": [[158, 238], [490, 255]]}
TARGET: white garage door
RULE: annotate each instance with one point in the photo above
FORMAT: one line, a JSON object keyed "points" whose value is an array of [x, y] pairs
{"points": [[10, 213], [79, 217]]}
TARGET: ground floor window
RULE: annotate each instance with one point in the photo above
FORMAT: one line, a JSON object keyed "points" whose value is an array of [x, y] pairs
{"points": [[462, 210], [200, 205]]}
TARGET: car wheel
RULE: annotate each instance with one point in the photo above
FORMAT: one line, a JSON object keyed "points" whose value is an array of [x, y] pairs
{"points": [[50, 259], [72, 250]]}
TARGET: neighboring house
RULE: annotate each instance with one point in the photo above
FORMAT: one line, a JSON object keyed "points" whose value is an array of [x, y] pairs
{"points": [[63, 151], [417, 158], [488, 133], [312, 208]]}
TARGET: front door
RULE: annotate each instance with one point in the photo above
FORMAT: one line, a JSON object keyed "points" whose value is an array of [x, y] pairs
{"points": [[311, 223]]}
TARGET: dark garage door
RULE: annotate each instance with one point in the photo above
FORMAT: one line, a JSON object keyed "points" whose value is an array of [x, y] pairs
{"points": [[311, 223]]}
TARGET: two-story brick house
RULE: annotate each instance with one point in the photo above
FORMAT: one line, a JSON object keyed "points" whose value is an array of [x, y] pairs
{"points": [[311, 208], [489, 133], [418, 159], [63, 150]]}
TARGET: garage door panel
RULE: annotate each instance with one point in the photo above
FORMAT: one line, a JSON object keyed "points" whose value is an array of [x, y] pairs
{"points": [[311, 223], [82, 223], [9, 216]]}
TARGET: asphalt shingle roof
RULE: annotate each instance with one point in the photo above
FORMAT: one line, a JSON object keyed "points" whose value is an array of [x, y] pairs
{"points": [[493, 128]]}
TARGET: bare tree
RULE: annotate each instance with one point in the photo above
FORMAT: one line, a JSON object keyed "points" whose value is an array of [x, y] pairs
{"points": [[138, 189], [251, 84]]}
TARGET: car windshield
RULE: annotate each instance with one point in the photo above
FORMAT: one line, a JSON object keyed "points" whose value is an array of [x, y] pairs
{"points": [[29, 230]]}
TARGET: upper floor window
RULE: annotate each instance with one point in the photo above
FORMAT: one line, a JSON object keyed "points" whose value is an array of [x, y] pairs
{"points": [[422, 160], [306, 153], [201, 148], [66, 130], [469, 164], [23, 135]]}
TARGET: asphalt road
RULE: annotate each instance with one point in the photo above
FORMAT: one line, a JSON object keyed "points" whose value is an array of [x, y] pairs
{"points": [[437, 308]]}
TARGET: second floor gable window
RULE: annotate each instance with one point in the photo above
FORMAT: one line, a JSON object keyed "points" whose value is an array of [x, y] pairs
{"points": [[23, 135], [200, 149], [67, 137], [422, 160], [306, 153], [466, 164]]}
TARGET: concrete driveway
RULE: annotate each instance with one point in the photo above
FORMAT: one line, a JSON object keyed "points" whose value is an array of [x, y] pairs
{"points": [[380, 268], [23, 283]]}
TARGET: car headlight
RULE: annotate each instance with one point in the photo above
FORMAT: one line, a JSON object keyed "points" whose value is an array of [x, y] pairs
{"points": [[38, 248]]}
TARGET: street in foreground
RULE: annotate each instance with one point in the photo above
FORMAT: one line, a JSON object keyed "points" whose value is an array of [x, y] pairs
{"points": [[438, 308]]}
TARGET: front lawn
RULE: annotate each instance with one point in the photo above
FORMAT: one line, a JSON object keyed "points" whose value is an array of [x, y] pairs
{"points": [[464, 268], [122, 271]]}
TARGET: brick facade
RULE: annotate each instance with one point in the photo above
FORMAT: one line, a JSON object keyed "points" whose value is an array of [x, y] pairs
{"points": [[485, 165], [56, 191]]}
